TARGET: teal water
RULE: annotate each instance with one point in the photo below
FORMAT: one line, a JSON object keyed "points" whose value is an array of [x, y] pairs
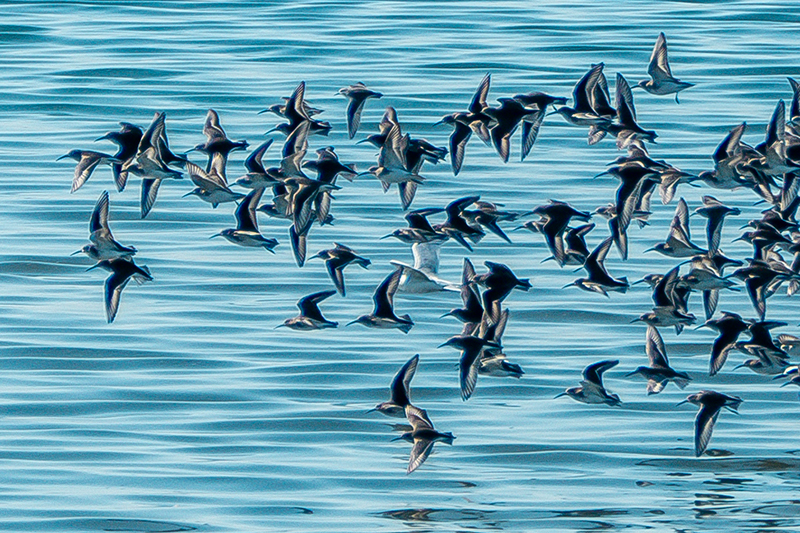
{"points": [[190, 412]]}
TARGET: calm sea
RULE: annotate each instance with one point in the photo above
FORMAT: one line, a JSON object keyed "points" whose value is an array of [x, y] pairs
{"points": [[191, 412]]}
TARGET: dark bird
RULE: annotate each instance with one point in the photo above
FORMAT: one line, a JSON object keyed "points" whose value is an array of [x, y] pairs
{"points": [[661, 81], [506, 118], [400, 391], [591, 389], [357, 95], [729, 326], [336, 259], [217, 142], [87, 162], [422, 435], [710, 403], [598, 279], [127, 138], [470, 347], [499, 282], [103, 245], [383, 315], [465, 123], [531, 124], [310, 316], [122, 271], [715, 211], [246, 231], [678, 243], [659, 373]]}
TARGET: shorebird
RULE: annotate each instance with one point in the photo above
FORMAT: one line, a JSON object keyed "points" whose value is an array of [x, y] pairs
{"points": [[769, 358], [506, 118], [151, 162], [422, 435], [391, 167], [246, 231], [471, 348], [715, 211], [659, 373], [471, 313], [728, 159], [122, 271], [626, 129], [582, 113], [336, 259], [531, 124], [711, 403], [706, 275], [211, 185], [87, 162], [661, 81], [256, 175], [493, 362], [591, 389], [499, 282], [419, 230], [670, 299], [456, 226], [729, 326], [217, 144], [310, 316], [678, 243], [357, 95], [400, 391], [295, 112], [599, 280], [383, 315], [127, 138], [103, 245], [557, 216], [465, 123]]}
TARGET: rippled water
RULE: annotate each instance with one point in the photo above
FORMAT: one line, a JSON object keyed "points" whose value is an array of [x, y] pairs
{"points": [[192, 412]]}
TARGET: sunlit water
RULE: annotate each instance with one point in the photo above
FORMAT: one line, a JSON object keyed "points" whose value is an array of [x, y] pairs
{"points": [[192, 412]]}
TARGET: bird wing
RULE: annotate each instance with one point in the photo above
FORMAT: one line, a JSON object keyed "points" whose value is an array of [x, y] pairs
{"points": [[703, 426], [658, 68], [401, 384]]}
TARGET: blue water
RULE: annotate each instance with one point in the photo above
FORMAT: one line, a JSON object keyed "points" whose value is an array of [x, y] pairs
{"points": [[191, 412]]}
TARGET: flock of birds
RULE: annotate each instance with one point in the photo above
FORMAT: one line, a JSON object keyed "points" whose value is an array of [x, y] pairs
{"points": [[769, 169]]}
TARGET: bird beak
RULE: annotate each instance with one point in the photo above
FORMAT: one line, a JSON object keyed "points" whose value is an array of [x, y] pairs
{"points": [[386, 236], [681, 403], [263, 111], [217, 235], [636, 320], [362, 141], [272, 130], [75, 253], [638, 282], [649, 250], [103, 138], [740, 366], [63, 157], [443, 344], [188, 194], [351, 322], [92, 267], [629, 374], [560, 395]]}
